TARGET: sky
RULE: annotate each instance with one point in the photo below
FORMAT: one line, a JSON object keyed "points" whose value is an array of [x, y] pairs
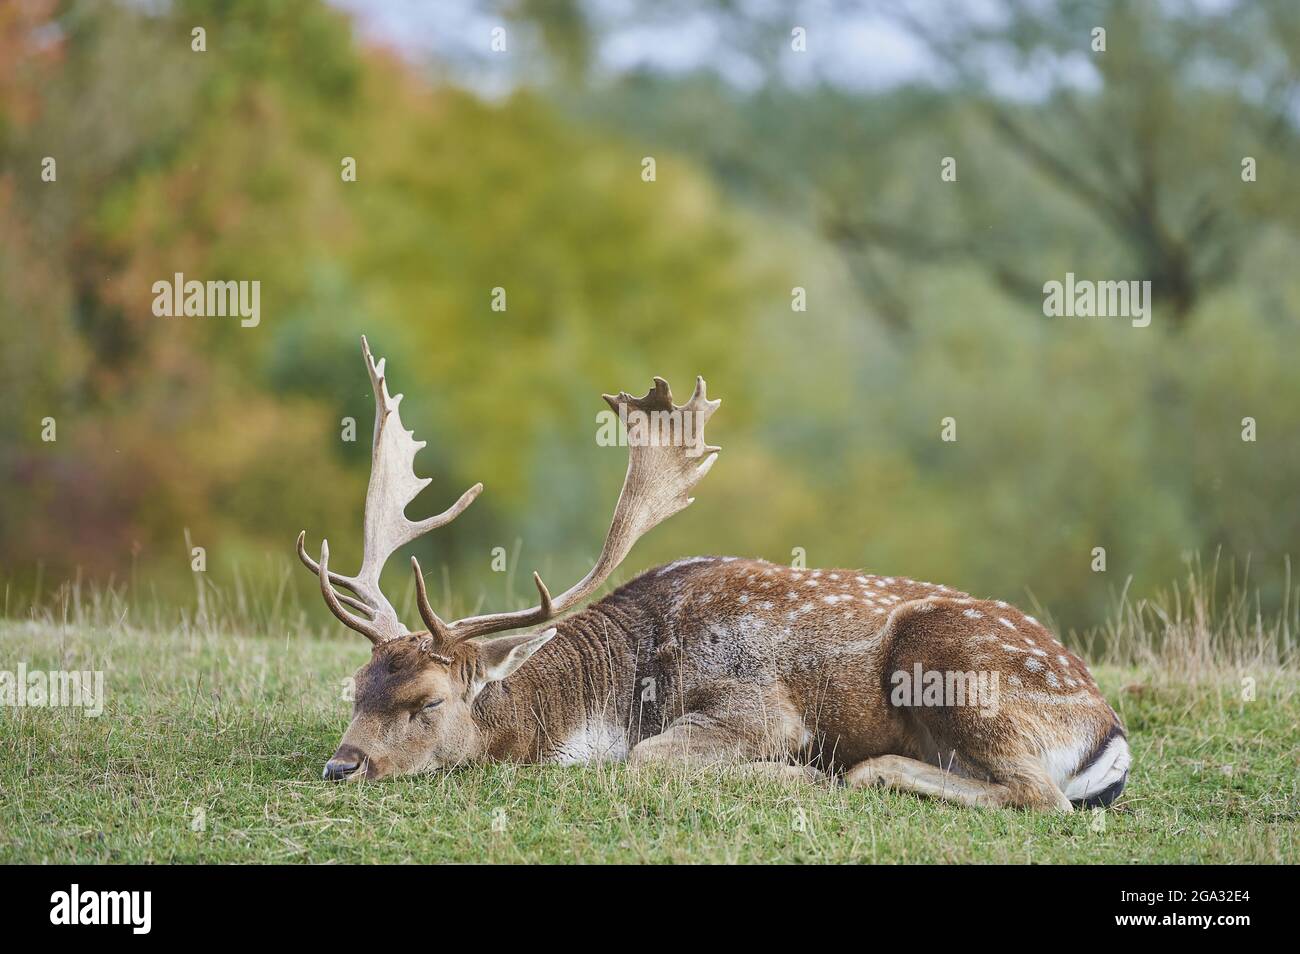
{"points": [[862, 50]]}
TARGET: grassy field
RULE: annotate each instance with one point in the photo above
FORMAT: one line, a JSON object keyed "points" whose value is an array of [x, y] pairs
{"points": [[211, 743]]}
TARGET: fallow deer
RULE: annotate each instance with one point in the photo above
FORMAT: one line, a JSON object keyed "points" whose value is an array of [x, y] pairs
{"points": [[785, 671]]}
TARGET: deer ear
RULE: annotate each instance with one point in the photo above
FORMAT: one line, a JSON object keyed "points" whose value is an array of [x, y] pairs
{"points": [[502, 656]]}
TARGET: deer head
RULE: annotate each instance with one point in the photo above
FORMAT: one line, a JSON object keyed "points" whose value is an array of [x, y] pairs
{"points": [[413, 707]]}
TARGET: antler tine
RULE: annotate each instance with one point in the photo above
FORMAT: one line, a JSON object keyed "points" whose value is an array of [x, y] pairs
{"points": [[393, 485], [547, 609], [660, 474], [437, 628], [332, 600], [446, 636], [335, 578]]}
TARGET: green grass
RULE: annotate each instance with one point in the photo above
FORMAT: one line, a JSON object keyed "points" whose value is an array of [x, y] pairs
{"points": [[203, 718]]}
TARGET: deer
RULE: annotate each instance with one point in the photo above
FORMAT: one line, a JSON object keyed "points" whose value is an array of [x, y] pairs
{"points": [[711, 661]]}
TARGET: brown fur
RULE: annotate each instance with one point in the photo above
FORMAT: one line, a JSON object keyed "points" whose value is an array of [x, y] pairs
{"points": [[729, 660]]}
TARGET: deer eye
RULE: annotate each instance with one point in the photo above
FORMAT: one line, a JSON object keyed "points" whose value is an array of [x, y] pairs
{"points": [[432, 704]]}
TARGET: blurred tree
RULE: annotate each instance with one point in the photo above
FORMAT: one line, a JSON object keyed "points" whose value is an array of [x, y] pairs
{"points": [[226, 164], [564, 30], [1130, 157], [1119, 164], [1145, 135]]}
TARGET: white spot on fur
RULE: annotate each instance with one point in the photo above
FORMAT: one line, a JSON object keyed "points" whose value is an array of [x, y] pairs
{"points": [[592, 742], [1032, 664], [681, 563], [972, 614], [1061, 762], [1006, 622], [855, 647], [1108, 769], [1064, 661], [1053, 681]]}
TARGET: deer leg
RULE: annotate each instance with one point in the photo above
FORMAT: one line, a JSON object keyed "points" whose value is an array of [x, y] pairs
{"points": [[1031, 789], [910, 775], [697, 739]]}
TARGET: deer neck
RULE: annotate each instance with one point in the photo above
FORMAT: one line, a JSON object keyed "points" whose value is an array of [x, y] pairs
{"points": [[579, 686]]}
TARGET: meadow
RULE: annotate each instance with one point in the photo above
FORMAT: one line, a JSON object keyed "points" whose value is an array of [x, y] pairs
{"points": [[215, 729]]}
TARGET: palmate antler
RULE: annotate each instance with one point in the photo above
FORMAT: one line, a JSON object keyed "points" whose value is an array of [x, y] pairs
{"points": [[393, 485], [666, 442]]}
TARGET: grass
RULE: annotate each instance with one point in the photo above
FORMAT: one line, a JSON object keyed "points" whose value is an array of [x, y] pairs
{"points": [[213, 735]]}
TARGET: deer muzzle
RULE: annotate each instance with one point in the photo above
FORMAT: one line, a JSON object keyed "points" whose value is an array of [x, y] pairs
{"points": [[346, 763]]}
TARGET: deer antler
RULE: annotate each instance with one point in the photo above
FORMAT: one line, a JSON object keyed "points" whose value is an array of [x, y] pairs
{"points": [[393, 485], [665, 443]]}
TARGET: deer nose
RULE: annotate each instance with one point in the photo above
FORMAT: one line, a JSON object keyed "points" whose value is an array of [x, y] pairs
{"points": [[344, 763], [337, 771]]}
